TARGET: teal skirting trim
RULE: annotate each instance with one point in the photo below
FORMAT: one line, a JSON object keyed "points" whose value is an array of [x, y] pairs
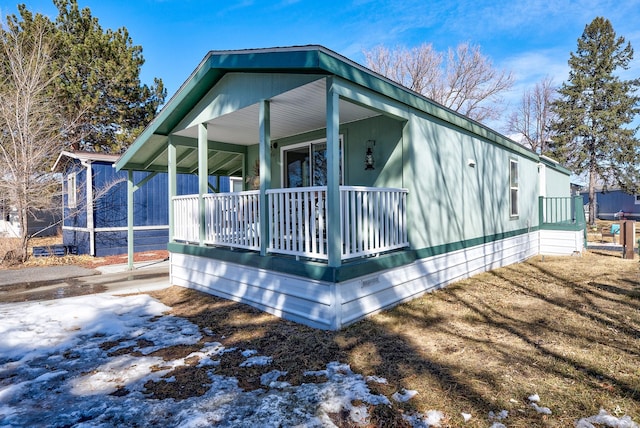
{"points": [[459, 245], [573, 227], [320, 271]]}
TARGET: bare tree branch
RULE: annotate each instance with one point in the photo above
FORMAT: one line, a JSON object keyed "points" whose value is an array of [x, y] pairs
{"points": [[533, 118], [468, 83], [29, 126]]}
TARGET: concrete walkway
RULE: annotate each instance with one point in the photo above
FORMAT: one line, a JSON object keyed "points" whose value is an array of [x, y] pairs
{"points": [[53, 282]]}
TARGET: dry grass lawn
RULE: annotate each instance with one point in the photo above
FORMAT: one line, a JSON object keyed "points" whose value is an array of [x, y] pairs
{"points": [[565, 328]]}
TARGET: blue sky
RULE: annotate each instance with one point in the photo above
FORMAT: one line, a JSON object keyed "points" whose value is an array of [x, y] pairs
{"points": [[532, 38]]}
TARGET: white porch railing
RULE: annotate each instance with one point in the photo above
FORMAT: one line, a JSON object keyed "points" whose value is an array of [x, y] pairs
{"points": [[232, 219], [298, 221], [186, 224], [372, 220]]}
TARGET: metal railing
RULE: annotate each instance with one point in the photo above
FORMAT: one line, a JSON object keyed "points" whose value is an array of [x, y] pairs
{"points": [[562, 213]]}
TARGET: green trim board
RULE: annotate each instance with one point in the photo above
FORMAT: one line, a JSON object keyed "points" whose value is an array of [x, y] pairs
{"points": [[311, 59], [347, 271]]}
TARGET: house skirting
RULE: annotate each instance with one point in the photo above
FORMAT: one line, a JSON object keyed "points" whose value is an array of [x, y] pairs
{"points": [[332, 305], [561, 242]]}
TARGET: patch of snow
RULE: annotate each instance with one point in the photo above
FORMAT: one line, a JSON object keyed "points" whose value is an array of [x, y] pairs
{"points": [[503, 414], [376, 379], [54, 367], [533, 400], [432, 418], [259, 360], [122, 370], [359, 414], [207, 361], [61, 373], [466, 416], [607, 420], [404, 395], [539, 409], [270, 379]]}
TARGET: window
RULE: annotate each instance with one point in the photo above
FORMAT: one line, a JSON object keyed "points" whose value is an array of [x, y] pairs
{"points": [[71, 191], [305, 164], [637, 200], [513, 187], [235, 184]]}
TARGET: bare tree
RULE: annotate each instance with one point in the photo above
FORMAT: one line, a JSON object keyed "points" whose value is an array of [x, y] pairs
{"points": [[29, 126], [467, 83], [533, 117]]}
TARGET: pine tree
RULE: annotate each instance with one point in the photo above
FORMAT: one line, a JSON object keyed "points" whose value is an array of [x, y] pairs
{"points": [[64, 84], [100, 86], [593, 132]]}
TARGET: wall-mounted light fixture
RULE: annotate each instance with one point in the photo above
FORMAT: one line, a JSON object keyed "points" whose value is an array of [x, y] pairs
{"points": [[369, 161]]}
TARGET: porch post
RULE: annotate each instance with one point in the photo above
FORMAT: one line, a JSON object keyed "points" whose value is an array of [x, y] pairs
{"points": [[265, 172], [203, 178], [171, 178], [130, 219], [334, 237]]}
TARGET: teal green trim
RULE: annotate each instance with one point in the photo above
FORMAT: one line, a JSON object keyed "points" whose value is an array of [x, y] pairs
{"points": [[211, 145], [564, 213], [265, 172], [172, 183], [203, 178], [334, 240], [554, 165], [321, 271], [305, 59], [460, 245], [144, 181]]}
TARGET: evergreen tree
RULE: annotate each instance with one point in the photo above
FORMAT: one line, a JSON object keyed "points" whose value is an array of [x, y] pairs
{"points": [[593, 132], [100, 87], [64, 84]]}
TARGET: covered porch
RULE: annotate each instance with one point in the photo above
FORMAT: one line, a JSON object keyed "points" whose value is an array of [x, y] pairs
{"points": [[295, 145]]}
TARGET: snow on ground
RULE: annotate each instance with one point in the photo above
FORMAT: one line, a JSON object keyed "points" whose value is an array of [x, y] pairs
{"points": [[55, 371]]}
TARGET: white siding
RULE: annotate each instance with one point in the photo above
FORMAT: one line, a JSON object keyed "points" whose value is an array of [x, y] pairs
{"points": [[561, 242], [291, 297], [332, 306]]}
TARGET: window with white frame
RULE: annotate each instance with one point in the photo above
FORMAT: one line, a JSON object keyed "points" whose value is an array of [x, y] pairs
{"points": [[637, 199], [71, 191], [513, 187], [235, 184], [305, 164]]}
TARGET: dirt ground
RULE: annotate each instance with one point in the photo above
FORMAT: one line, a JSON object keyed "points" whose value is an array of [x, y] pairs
{"points": [[7, 244], [565, 328]]}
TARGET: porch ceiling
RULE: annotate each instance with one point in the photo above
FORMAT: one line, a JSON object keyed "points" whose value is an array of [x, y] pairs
{"points": [[294, 112]]}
